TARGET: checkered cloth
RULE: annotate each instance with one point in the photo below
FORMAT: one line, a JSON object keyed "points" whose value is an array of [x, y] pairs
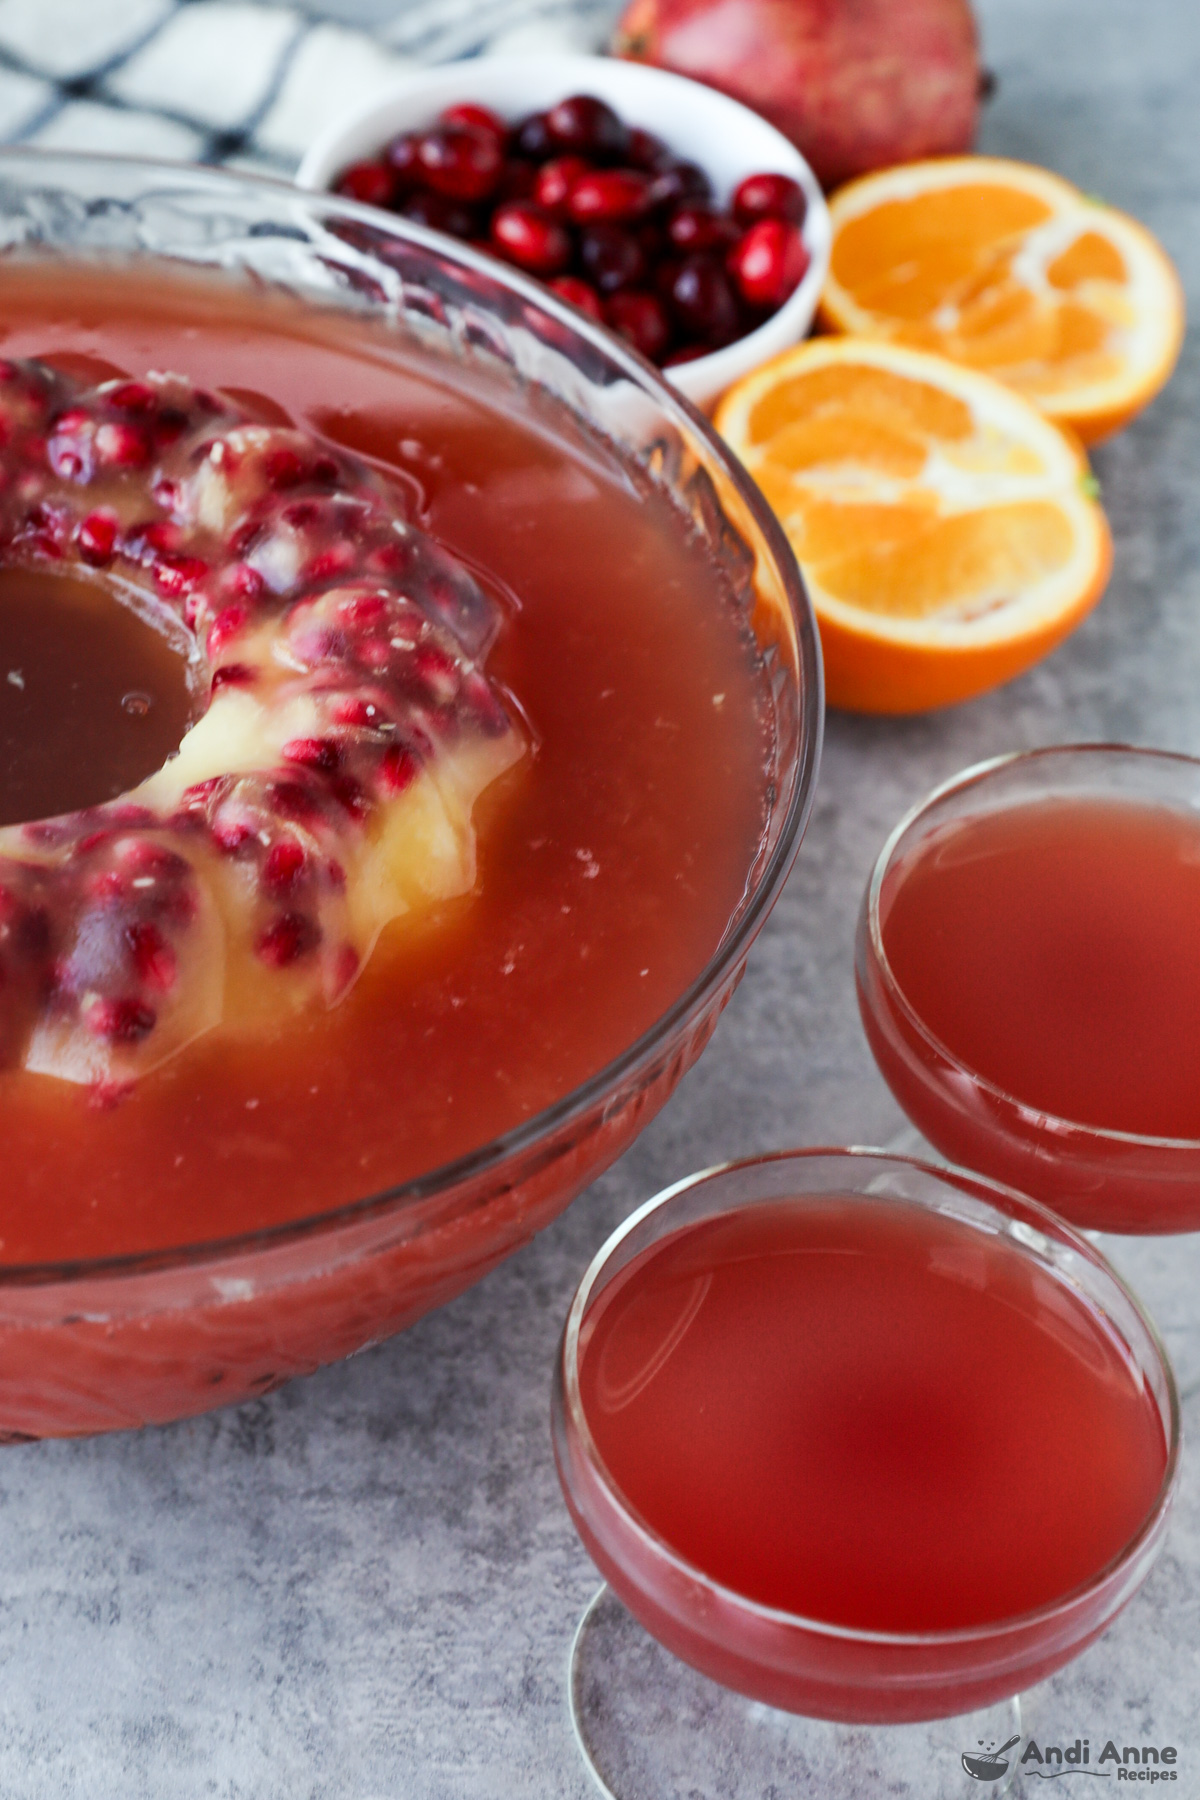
{"points": [[225, 81]]}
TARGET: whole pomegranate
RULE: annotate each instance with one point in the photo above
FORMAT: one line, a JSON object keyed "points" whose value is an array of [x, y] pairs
{"points": [[855, 84]]}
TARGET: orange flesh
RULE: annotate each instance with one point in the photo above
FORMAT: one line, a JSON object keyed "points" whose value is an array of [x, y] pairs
{"points": [[609, 867], [842, 429]]}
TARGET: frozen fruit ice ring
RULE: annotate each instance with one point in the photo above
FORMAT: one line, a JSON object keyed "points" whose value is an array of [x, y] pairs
{"points": [[328, 787]]}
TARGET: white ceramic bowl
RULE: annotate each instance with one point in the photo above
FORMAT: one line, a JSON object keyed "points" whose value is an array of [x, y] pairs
{"points": [[728, 141]]}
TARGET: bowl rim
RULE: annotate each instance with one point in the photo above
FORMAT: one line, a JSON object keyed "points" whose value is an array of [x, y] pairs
{"points": [[709, 374], [948, 1175], [1037, 1118], [734, 943]]}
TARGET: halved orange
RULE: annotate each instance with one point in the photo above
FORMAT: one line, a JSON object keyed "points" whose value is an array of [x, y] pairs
{"points": [[948, 532], [1009, 269]]}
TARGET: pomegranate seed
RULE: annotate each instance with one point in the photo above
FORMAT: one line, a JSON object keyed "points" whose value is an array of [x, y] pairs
{"points": [[285, 862], [531, 238], [398, 769], [769, 197], [96, 536], [230, 834], [769, 263], [132, 396], [352, 796], [363, 611], [122, 446], [283, 467], [178, 575], [241, 582], [439, 213], [292, 936], [609, 196], [312, 753], [232, 675], [301, 513], [107, 888], [120, 1021], [699, 227], [612, 257], [532, 138], [153, 957], [479, 118], [587, 125], [642, 320], [703, 301], [225, 627], [554, 181], [292, 801], [330, 563], [460, 161], [356, 712], [688, 353], [580, 293], [371, 182]]}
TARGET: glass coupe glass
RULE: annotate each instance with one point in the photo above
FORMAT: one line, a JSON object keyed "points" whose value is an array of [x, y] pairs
{"points": [[809, 1666], [1103, 1180]]}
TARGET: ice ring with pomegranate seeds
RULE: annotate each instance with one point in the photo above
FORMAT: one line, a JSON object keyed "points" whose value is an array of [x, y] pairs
{"points": [[328, 786]]}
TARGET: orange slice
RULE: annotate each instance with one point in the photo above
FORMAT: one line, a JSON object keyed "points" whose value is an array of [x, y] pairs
{"points": [[946, 529], [1007, 268]]}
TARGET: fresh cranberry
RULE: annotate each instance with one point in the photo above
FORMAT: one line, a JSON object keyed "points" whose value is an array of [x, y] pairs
{"points": [[555, 180], [371, 182], [531, 238], [532, 138], [588, 126], [580, 293], [609, 196], [460, 162], [96, 536], [700, 227], [769, 263], [642, 320], [678, 184], [518, 180], [769, 197], [401, 157], [644, 150], [479, 118], [703, 301], [612, 258], [440, 213]]}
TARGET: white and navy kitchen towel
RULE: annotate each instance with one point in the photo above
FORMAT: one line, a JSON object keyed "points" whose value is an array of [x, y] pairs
{"points": [[227, 81]]}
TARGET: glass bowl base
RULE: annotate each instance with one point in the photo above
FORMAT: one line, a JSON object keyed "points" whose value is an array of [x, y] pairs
{"points": [[649, 1727]]}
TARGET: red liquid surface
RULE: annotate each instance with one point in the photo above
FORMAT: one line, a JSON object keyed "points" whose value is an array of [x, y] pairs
{"points": [[869, 1415], [610, 862], [1053, 947]]}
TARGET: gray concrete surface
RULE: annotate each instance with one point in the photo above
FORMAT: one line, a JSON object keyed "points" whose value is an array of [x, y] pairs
{"points": [[364, 1586]]}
